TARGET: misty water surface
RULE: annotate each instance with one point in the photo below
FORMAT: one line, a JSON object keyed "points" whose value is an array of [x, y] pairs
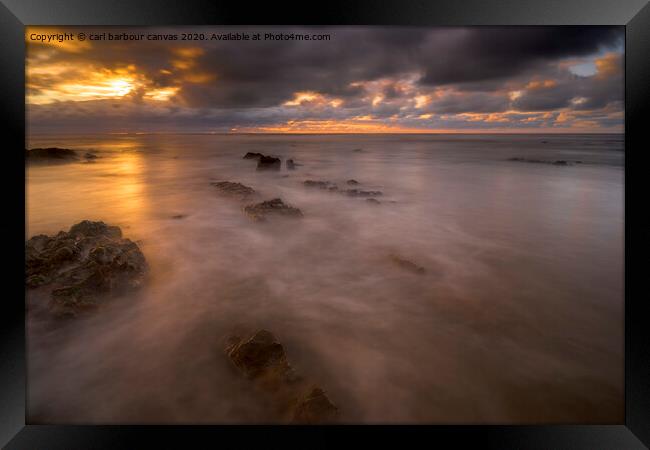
{"points": [[518, 318]]}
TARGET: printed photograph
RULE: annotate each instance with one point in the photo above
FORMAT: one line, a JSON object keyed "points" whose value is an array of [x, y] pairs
{"points": [[324, 225]]}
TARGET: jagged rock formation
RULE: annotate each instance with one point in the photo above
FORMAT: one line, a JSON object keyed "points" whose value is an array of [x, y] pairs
{"points": [[84, 266]]}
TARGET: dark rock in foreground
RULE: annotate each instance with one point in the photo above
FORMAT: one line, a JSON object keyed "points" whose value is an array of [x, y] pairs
{"points": [[259, 355], [259, 212], [315, 408], [50, 155], [234, 189], [261, 358], [253, 155], [407, 265], [269, 163], [84, 266], [559, 162]]}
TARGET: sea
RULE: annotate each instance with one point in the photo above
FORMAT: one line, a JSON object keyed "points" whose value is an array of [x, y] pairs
{"points": [[515, 317]]}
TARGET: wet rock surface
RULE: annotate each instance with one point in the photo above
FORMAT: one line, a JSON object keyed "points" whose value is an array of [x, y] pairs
{"points": [[233, 189], [269, 163], [332, 187], [253, 155], [315, 408], [260, 212], [361, 193], [84, 266], [407, 265], [260, 357], [51, 155], [559, 162], [319, 184]]}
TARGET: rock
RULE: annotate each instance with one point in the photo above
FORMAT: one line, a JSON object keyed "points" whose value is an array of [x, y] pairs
{"points": [[234, 189], [374, 201], [50, 155], [253, 155], [259, 355], [407, 265], [90, 155], [259, 212], [319, 184], [269, 163], [360, 193], [315, 408], [261, 358], [358, 150], [290, 164], [179, 216], [84, 266], [560, 162], [352, 182]]}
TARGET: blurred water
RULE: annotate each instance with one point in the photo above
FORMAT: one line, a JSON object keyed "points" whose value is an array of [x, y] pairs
{"points": [[519, 317]]}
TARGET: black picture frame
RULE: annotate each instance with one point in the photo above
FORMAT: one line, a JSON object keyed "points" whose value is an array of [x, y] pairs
{"points": [[634, 15]]}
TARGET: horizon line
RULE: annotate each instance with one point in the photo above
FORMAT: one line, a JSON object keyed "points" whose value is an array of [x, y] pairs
{"points": [[227, 133]]}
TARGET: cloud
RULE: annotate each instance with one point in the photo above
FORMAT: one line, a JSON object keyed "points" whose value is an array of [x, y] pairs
{"points": [[478, 77]]}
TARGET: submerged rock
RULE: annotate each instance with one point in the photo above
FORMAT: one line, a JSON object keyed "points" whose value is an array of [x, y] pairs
{"points": [[361, 193], [260, 357], [233, 189], [332, 187], [84, 266], [559, 162], [50, 155], [269, 163], [315, 408], [253, 155], [319, 184], [260, 211], [407, 265]]}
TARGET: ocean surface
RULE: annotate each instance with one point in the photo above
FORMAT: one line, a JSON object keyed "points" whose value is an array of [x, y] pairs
{"points": [[518, 317]]}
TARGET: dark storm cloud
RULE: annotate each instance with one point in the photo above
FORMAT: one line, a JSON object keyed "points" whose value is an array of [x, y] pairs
{"points": [[484, 54]]}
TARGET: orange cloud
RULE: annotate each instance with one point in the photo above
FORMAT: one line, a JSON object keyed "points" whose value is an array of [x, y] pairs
{"points": [[610, 64], [541, 84], [311, 98]]}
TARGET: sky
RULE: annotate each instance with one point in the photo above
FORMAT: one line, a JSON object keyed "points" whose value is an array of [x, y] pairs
{"points": [[358, 80]]}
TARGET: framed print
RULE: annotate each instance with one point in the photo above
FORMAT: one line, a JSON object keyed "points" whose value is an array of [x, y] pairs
{"points": [[387, 220]]}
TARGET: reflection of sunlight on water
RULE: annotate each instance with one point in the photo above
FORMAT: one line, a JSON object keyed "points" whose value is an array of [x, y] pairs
{"points": [[112, 189]]}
